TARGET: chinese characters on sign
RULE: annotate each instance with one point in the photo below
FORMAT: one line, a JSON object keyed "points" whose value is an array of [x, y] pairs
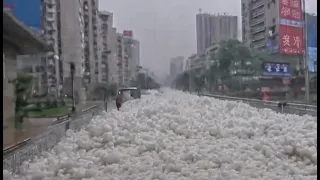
{"points": [[291, 29], [291, 40], [290, 9], [276, 69]]}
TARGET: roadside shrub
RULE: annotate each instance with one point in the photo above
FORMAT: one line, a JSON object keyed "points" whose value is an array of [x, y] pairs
{"points": [[48, 104], [54, 104]]}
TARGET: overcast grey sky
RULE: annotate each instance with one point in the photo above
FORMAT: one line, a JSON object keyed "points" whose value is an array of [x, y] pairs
{"points": [[166, 28]]}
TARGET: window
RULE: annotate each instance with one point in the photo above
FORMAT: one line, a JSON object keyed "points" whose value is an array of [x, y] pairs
{"points": [[50, 15]]}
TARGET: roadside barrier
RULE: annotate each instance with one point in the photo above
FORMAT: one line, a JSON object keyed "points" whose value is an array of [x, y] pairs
{"points": [[14, 156], [282, 107]]}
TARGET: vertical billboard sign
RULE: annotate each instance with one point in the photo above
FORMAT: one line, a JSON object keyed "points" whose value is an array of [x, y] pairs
{"points": [[311, 22], [291, 27], [26, 11]]}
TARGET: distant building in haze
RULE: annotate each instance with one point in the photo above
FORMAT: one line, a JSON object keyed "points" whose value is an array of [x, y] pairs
{"points": [[176, 66], [212, 29]]}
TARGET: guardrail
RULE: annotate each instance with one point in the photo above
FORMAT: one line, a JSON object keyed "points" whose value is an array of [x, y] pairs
{"points": [[282, 107], [14, 156]]}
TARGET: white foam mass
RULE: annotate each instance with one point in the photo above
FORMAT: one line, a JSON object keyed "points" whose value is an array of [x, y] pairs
{"points": [[179, 136]]}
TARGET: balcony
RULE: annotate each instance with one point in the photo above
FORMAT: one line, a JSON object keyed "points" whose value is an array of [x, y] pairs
{"points": [[50, 17], [258, 29], [51, 8], [257, 21], [51, 63], [259, 45], [257, 4], [257, 13], [258, 37]]}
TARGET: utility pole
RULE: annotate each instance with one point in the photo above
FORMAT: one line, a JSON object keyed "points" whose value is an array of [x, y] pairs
{"points": [[305, 54]]}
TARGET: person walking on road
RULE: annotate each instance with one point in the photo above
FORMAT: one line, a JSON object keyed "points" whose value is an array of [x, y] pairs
{"points": [[118, 101]]}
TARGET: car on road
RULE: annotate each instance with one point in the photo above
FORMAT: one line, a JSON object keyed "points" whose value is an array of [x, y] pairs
{"points": [[129, 93]]}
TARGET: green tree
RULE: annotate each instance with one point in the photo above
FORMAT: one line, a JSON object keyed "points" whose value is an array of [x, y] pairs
{"points": [[23, 87], [234, 56]]}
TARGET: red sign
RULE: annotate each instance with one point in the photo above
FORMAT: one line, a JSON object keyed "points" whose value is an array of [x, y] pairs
{"points": [[290, 10], [291, 40], [127, 33], [291, 27]]}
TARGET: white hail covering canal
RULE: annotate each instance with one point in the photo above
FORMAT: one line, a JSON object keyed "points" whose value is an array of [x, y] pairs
{"points": [[178, 136]]}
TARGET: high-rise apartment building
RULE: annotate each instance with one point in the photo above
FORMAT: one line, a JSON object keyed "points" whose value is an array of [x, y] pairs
{"points": [[53, 75], [212, 29], [106, 19], [265, 26], [258, 17], [132, 58], [72, 42], [91, 37], [135, 58], [113, 57], [65, 38], [120, 58]]}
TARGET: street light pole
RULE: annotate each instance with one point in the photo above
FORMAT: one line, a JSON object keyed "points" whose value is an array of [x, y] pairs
{"points": [[305, 54], [72, 71]]}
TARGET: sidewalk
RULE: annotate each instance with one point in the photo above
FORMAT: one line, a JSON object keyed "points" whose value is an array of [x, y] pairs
{"points": [[33, 127]]}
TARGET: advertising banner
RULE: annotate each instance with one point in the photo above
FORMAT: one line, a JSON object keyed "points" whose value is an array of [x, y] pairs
{"points": [[276, 69], [291, 27], [311, 21], [312, 59]]}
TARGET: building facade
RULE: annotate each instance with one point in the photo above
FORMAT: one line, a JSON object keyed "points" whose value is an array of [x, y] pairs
{"points": [[113, 57], [120, 59], [264, 28], [106, 19], [212, 29], [132, 59], [72, 43], [91, 37], [65, 36], [176, 66]]}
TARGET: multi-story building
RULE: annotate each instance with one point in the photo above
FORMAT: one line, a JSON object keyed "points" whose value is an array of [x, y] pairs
{"points": [[132, 59], [176, 66], [211, 55], [113, 57], [121, 59], [53, 75], [212, 29], [91, 36], [72, 43], [261, 29], [106, 19], [65, 38]]}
